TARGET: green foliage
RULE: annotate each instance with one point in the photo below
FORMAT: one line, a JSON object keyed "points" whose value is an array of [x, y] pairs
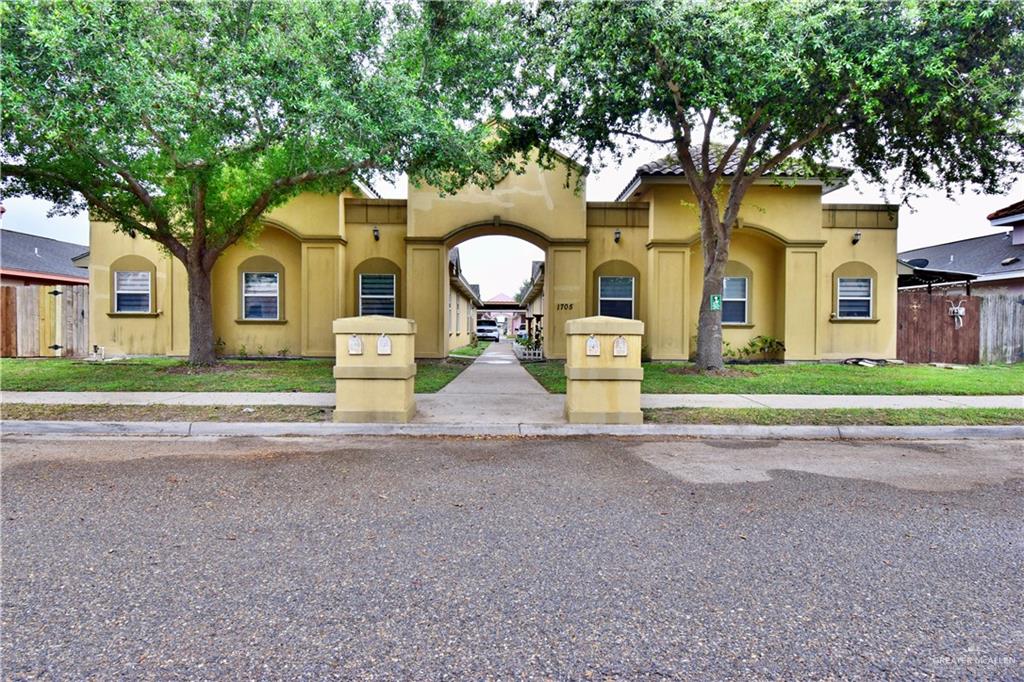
{"points": [[757, 348], [930, 91], [185, 122]]}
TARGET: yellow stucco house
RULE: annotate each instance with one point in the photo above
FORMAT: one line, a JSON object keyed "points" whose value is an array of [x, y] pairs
{"points": [[819, 277]]}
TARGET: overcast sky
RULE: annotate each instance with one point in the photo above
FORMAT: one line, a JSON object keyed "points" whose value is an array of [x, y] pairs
{"points": [[500, 264]]}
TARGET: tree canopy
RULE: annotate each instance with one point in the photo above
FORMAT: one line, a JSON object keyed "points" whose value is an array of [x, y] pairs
{"points": [[928, 89], [184, 122]]}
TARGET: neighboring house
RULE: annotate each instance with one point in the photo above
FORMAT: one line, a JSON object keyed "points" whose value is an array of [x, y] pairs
{"points": [[30, 259], [533, 302], [820, 277], [995, 260], [463, 302]]}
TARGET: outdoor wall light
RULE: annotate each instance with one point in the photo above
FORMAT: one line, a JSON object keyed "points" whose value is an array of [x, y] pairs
{"points": [[856, 236], [376, 234], [618, 236]]}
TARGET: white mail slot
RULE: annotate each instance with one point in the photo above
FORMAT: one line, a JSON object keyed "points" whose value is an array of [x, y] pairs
{"points": [[383, 345], [619, 347], [355, 345], [593, 346]]}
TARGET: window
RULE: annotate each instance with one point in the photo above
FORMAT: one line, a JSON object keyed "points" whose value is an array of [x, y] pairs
{"points": [[458, 315], [615, 297], [734, 300], [854, 297], [260, 295], [377, 295], [132, 292]]}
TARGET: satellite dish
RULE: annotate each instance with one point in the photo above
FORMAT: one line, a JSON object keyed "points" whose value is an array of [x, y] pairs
{"points": [[918, 262]]}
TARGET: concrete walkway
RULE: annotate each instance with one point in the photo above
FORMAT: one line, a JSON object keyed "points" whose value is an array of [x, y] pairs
{"points": [[510, 385], [495, 389]]}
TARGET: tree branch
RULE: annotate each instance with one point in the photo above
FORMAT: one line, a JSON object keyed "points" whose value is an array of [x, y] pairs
{"points": [[639, 136]]}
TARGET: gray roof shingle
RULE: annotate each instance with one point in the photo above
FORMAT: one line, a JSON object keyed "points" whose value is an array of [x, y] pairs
{"points": [[32, 253], [978, 255]]}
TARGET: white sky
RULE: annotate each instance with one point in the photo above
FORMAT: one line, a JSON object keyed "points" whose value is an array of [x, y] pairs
{"points": [[500, 264]]}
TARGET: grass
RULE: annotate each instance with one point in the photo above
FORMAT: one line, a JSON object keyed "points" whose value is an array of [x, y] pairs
{"points": [[834, 379], [168, 374], [472, 350], [837, 417]]}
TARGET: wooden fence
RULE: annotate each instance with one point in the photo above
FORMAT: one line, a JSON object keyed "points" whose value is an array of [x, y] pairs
{"points": [[927, 332], [44, 321], [1002, 328]]}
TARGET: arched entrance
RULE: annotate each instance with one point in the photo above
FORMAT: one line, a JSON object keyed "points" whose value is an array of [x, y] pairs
{"points": [[564, 282]]}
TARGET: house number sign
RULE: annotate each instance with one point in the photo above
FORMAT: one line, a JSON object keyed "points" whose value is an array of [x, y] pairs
{"points": [[355, 345], [383, 345], [619, 349], [593, 346]]}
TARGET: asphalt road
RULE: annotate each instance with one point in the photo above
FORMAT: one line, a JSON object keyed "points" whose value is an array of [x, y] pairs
{"points": [[565, 559]]}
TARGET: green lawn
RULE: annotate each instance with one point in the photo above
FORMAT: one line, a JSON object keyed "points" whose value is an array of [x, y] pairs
{"points": [[472, 351], [954, 416], [672, 377], [166, 374]]}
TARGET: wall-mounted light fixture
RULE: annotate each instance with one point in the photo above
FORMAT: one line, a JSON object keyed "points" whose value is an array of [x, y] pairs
{"points": [[856, 236], [376, 233], [618, 236]]}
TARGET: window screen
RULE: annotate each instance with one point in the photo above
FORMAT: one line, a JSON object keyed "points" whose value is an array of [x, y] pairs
{"points": [[734, 300], [132, 292], [260, 295], [854, 297], [615, 297], [377, 295]]}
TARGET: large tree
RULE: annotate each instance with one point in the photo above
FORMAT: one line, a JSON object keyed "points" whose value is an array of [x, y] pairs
{"points": [[930, 90], [185, 122]]}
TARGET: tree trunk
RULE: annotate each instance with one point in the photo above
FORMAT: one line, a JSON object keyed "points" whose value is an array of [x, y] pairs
{"points": [[201, 348], [715, 245]]}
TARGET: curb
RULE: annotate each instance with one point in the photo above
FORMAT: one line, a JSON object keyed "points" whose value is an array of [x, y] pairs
{"points": [[317, 429]]}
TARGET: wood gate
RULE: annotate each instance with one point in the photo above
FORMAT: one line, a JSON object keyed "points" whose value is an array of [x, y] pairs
{"points": [[47, 321], [927, 331]]}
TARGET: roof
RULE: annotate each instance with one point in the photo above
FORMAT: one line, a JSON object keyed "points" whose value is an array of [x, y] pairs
{"points": [[1008, 214], [983, 256], [501, 298], [30, 253], [458, 280], [907, 275], [670, 167]]}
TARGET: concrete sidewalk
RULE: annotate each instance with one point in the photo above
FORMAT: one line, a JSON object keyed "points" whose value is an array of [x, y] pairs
{"points": [[511, 391], [495, 389]]}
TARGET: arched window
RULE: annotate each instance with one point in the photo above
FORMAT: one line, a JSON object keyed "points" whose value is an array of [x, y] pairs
{"points": [[855, 293], [261, 290], [617, 290], [132, 286], [378, 288], [737, 292]]}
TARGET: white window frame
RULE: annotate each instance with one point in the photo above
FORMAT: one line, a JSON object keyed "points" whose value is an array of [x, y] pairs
{"points": [[870, 299], [631, 299], [149, 293], [277, 295], [745, 299], [393, 296]]}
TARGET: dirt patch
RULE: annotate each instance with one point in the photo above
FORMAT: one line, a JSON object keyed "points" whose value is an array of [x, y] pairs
{"points": [[727, 372]]}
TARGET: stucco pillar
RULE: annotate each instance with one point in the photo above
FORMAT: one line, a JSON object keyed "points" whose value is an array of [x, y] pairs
{"points": [[803, 300], [375, 369], [426, 297], [565, 294], [602, 371]]}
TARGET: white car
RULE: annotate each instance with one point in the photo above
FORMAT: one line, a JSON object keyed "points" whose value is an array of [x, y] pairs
{"points": [[487, 330]]}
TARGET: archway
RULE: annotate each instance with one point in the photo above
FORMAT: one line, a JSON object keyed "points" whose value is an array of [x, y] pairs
{"points": [[562, 296]]}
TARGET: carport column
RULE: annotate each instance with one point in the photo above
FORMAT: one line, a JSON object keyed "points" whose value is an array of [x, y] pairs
{"points": [[375, 369], [602, 371]]}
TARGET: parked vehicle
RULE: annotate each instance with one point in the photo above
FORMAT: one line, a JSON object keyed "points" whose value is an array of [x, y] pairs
{"points": [[487, 330], [523, 334]]}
